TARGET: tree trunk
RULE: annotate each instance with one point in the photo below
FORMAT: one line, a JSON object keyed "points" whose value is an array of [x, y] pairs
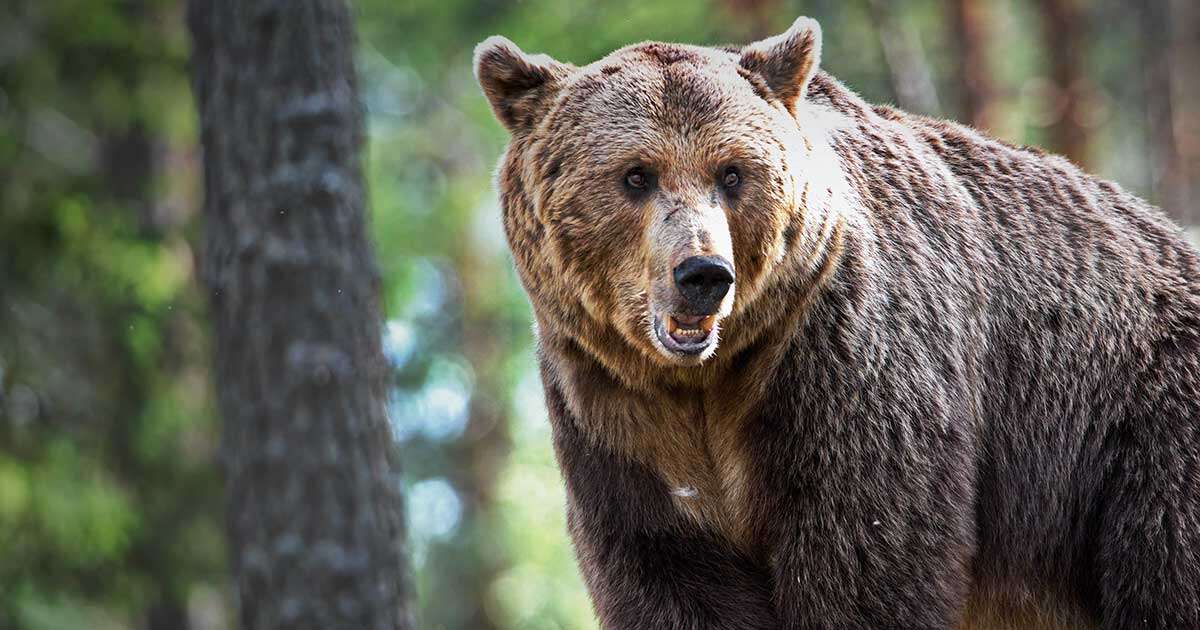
{"points": [[978, 106], [315, 517], [1062, 28]]}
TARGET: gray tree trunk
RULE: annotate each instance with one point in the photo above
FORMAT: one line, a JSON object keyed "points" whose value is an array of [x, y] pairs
{"points": [[315, 518]]}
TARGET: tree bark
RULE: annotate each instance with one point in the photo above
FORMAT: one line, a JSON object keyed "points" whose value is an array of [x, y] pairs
{"points": [[315, 518]]}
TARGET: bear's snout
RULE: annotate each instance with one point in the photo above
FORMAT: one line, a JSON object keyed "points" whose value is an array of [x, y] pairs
{"points": [[691, 278], [703, 281]]}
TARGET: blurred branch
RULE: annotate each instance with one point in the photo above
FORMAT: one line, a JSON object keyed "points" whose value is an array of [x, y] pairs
{"points": [[911, 79]]}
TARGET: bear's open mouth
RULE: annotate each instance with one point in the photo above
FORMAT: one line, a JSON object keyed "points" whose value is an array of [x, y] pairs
{"points": [[690, 328], [686, 334]]}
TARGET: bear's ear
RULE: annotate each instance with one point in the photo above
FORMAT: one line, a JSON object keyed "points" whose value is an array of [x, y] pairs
{"points": [[518, 85], [788, 61]]}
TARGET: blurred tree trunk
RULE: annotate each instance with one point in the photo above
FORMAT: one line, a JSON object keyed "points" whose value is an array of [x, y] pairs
{"points": [[314, 510], [168, 615], [1063, 31], [755, 15], [1171, 54], [1185, 88], [486, 443], [911, 79], [978, 105]]}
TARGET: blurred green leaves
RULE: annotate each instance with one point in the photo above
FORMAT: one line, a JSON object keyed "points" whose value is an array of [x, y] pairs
{"points": [[109, 493], [85, 516]]}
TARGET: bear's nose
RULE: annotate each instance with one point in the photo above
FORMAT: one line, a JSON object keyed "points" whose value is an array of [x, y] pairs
{"points": [[703, 281]]}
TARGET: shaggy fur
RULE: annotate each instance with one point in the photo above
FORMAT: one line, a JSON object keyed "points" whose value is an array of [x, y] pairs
{"points": [[957, 385]]}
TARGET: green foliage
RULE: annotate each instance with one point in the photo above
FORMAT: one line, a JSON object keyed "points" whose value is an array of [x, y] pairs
{"points": [[109, 495]]}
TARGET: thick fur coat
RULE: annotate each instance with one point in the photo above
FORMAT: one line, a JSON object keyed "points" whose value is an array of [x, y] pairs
{"points": [[956, 382]]}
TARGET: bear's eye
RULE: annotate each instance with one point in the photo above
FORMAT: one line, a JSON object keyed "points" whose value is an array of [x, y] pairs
{"points": [[731, 178], [636, 178]]}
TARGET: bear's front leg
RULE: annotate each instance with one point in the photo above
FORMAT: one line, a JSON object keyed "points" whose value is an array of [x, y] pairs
{"points": [[668, 579], [645, 565], [877, 533], [850, 579]]}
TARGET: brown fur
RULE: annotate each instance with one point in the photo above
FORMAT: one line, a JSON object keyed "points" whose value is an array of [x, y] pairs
{"points": [[909, 420]]}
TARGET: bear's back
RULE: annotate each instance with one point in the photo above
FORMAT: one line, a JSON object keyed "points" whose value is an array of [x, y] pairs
{"points": [[1058, 306]]}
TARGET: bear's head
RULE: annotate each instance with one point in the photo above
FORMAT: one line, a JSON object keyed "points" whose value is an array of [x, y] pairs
{"points": [[651, 197]]}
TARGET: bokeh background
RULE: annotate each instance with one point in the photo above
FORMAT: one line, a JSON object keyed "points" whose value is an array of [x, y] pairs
{"points": [[110, 492]]}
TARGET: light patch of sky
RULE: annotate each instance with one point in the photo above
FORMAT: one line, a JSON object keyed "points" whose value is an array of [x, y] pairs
{"points": [[487, 228], [434, 512], [429, 295], [399, 342], [531, 421], [390, 91], [423, 187], [438, 410]]}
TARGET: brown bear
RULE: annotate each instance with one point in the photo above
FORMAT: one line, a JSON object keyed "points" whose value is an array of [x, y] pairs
{"points": [[813, 363]]}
